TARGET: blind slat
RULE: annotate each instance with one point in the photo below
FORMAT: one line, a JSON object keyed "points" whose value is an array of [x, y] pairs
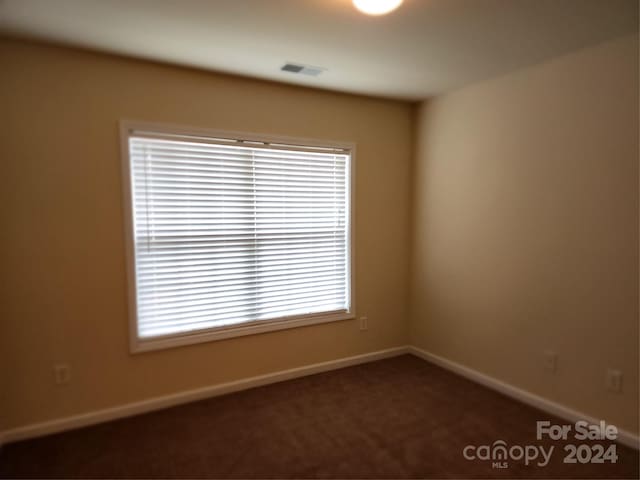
{"points": [[209, 285]]}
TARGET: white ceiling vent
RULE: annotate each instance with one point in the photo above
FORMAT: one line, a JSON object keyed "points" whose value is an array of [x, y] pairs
{"points": [[302, 69]]}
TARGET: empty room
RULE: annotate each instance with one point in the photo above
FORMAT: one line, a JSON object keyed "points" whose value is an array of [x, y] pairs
{"points": [[319, 239]]}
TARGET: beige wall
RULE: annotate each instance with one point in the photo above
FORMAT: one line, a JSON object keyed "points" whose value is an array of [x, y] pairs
{"points": [[525, 233], [63, 268], [526, 228]]}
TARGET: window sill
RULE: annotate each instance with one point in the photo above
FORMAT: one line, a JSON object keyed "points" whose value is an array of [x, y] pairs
{"points": [[139, 345]]}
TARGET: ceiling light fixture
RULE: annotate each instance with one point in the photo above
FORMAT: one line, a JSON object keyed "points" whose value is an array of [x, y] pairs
{"points": [[376, 7]]}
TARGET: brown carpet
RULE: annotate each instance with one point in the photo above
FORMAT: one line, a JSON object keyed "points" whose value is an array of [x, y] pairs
{"points": [[395, 418]]}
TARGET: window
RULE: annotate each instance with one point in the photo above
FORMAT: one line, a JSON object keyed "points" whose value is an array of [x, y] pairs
{"points": [[234, 234]]}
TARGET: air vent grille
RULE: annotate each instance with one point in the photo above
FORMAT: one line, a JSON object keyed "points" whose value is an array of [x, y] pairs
{"points": [[302, 69]]}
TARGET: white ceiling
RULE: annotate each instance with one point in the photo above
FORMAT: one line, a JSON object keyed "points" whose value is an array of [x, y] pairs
{"points": [[423, 48]]}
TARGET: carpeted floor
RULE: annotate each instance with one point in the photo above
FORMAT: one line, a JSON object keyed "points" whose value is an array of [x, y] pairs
{"points": [[395, 418]]}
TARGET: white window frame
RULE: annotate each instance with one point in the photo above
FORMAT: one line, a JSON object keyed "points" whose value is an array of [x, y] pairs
{"points": [[137, 344]]}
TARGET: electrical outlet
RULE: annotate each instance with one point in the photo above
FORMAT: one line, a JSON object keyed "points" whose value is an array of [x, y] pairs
{"points": [[62, 373], [614, 380], [550, 361], [364, 323]]}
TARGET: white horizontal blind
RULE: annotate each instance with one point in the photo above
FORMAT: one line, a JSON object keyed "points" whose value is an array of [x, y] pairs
{"points": [[228, 232]]}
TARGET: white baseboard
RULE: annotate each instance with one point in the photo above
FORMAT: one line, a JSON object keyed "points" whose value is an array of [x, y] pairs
{"points": [[158, 403], [624, 437]]}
